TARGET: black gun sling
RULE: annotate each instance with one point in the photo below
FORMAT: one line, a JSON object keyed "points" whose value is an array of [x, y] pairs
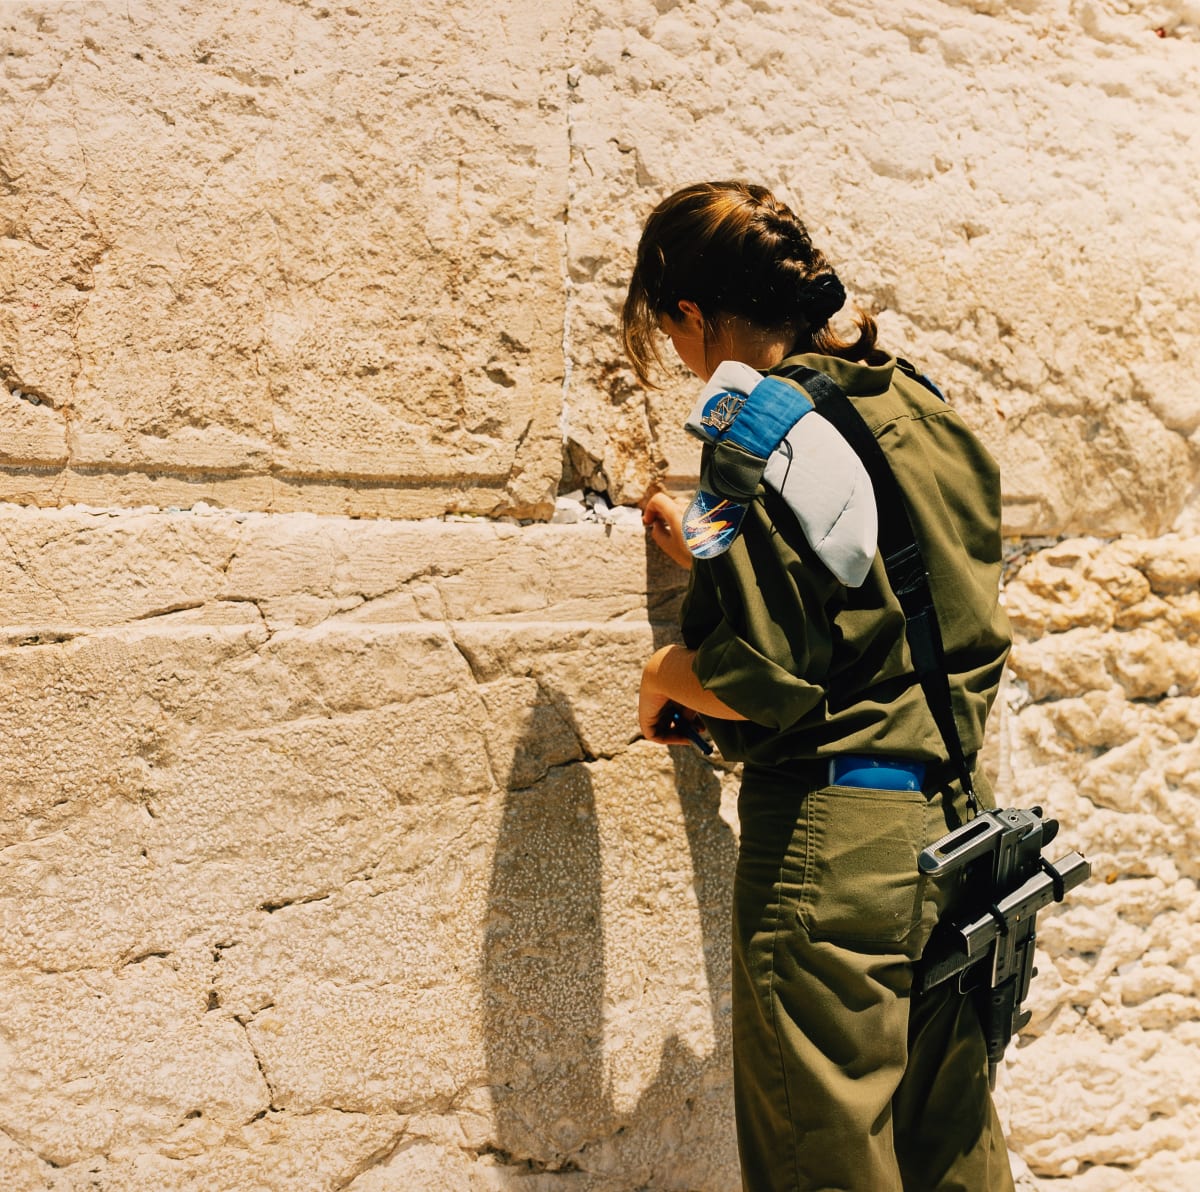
{"points": [[992, 950], [902, 559]]}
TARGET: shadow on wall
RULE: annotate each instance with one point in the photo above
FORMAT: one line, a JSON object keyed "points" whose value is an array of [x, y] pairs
{"points": [[543, 976]]}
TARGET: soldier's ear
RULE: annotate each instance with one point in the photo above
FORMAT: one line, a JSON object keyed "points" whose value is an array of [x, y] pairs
{"points": [[691, 316]]}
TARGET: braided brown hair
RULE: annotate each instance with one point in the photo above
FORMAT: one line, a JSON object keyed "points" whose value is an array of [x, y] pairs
{"points": [[733, 248]]}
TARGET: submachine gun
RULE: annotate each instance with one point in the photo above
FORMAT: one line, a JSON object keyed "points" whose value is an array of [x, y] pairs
{"points": [[991, 953], [1007, 881]]}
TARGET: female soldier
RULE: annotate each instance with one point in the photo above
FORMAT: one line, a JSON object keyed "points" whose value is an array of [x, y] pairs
{"points": [[841, 1078]]}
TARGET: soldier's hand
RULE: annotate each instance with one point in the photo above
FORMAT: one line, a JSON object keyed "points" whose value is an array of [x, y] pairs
{"points": [[664, 519]]}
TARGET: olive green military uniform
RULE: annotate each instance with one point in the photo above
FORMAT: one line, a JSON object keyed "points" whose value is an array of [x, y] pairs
{"points": [[842, 1079]]}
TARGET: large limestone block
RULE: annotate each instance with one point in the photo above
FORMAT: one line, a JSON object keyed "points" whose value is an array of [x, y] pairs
{"points": [[1101, 728], [97, 1061], [1012, 186], [326, 1150], [632, 1045], [326, 836], [280, 256], [313, 258]]}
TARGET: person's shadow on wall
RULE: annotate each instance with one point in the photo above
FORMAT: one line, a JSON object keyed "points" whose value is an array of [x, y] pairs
{"points": [[543, 968]]}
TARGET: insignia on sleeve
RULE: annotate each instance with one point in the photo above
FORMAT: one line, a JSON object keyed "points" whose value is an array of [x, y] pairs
{"points": [[723, 412]]}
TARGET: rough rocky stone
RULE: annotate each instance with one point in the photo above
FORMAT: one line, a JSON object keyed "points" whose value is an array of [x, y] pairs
{"points": [[310, 258], [368, 840], [1100, 727]]}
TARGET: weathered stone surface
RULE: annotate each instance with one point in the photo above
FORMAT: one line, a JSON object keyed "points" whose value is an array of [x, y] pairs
{"points": [[356, 850], [364, 830], [238, 241], [327, 1149], [101, 1060], [311, 258], [1101, 728]]}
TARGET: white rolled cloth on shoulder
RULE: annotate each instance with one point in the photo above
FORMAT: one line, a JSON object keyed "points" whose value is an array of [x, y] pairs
{"points": [[806, 461]]}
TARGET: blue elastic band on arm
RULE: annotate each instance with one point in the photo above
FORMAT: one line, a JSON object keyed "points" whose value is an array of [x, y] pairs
{"points": [[771, 410]]}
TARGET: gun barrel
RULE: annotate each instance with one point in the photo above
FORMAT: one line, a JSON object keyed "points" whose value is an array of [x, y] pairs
{"points": [[1044, 887], [969, 942]]}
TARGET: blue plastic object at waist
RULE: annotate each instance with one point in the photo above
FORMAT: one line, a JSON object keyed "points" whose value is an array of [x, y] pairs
{"points": [[879, 773]]}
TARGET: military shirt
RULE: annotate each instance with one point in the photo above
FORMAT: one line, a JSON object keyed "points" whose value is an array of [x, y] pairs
{"points": [[820, 669]]}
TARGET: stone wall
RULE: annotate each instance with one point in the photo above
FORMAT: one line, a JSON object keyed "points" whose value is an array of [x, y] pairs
{"points": [[330, 855]]}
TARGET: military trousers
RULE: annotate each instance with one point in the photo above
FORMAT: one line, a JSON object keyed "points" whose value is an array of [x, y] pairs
{"points": [[842, 1080]]}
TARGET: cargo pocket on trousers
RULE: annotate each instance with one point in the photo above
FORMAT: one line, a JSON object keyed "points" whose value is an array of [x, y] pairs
{"points": [[861, 882]]}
